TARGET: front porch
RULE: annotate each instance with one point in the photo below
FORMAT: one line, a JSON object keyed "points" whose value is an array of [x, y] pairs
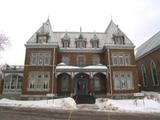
{"points": [[73, 80]]}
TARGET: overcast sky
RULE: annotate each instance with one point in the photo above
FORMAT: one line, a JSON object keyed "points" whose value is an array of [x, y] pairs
{"points": [[20, 19]]}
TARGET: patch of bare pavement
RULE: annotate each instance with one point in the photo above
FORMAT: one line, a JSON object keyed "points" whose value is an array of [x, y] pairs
{"points": [[17, 113]]}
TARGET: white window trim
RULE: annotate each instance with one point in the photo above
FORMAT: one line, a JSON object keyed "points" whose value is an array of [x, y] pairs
{"points": [[36, 54], [65, 59], [83, 59], [38, 81], [121, 56], [95, 60], [125, 78], [152, 73], [143, 70]]}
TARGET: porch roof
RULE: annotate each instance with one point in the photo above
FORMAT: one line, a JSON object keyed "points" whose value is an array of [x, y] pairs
{"points": [[63, 67]]}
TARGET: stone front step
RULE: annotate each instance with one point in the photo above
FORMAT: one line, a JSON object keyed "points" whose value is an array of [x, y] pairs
{"points": [[84, 99]]}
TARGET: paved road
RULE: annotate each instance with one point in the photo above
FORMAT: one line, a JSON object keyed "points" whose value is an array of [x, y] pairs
{"points": [[11, 113]]}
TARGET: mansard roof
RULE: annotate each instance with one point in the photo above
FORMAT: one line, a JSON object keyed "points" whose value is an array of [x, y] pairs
{"points": [[148, 46], [104, 37]]}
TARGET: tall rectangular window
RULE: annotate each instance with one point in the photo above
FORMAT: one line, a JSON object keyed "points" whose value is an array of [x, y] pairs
{"points": [[117, 82], [115, 60], [95, 60], [65, 60], [127, 59], [81, 60]]}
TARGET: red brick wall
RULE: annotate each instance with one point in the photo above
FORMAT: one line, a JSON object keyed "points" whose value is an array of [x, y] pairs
{"points": [[73, 61], [146, 60], [73, 57], [29, 68], [1, 86], [132, 68]]}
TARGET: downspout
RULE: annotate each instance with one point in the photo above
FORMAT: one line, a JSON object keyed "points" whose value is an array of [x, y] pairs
{"points": [[53, 79], [109, 66]]}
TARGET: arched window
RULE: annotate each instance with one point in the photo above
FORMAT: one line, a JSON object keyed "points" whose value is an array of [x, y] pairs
{"points": [[99, 82], [144, 75], [64, 81], [154, 73]]}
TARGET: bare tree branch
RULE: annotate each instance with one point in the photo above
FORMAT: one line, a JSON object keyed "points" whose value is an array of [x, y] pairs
{"points": [[4, 41]]}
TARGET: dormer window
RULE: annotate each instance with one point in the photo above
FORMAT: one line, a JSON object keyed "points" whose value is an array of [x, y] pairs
{"points": [[95, 41], [42, 39], [118, 39], [65, 44], [65, 40], [80, 44], [80, 41]]}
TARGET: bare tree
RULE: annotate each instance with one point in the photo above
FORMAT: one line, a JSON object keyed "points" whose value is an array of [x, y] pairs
{"points": [[4, 41]]}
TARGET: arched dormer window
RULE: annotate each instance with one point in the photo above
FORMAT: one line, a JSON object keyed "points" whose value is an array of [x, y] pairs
{"points": [[80, 41], [65, 40], [144, 75], [95, 41], [42, 38], [118, 37], [154, 73]]}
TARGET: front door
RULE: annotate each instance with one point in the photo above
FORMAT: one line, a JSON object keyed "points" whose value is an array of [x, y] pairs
{"points": [[81, 87]]}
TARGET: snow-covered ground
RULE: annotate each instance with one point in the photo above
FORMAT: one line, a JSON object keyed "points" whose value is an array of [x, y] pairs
{"points": [[151, 103], [64, 103], [129, 105]]}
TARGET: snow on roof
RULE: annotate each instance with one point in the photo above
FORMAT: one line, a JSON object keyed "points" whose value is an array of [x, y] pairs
{"points": [[149, 45], [100, 66], [104, 38], [67, 67]]}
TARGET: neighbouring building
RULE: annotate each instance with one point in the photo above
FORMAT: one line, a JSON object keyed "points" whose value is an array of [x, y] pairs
{"points": [[11, 84], [1, 81], [148, 63], [78, 63]]}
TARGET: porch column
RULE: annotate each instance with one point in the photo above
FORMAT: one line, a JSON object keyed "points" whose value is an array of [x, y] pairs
{"points": [[54, 83], [91, 82], [72, 83]]}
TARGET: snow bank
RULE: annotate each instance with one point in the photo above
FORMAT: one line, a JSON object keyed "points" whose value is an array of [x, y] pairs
{"points": [[63, 103], [141, 105], [105, 104], [128, 105], [152, 95]]}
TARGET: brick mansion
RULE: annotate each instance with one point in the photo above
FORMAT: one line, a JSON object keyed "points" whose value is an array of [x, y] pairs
{"points": [[73, 63]]}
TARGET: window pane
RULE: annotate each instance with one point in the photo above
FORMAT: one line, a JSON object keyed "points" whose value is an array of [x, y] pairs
{"points": [[81, 60], [97, 83], [38, 81], [154, 73], [65, 60], [95, 60], [129, 81], [42, 58], [116, 81]]}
